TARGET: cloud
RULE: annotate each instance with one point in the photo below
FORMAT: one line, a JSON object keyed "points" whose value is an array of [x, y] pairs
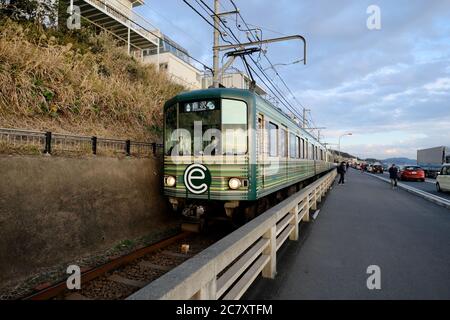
{"points": [[441, 85], [390, 87]]}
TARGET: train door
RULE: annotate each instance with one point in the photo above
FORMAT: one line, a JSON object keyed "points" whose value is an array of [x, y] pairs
{"points": [[261, 151], [284, 152]]}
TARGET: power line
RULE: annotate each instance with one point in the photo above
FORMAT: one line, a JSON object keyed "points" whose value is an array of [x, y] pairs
{"points": [[286, 103], [267, 58], [206, 20], [166, 41], [170, 22], [259, 67]]}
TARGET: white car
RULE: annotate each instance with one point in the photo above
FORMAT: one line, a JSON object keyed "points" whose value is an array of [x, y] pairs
{"points": [[443, 179]]}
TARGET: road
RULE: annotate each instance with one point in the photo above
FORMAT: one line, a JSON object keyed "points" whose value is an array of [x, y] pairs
{"points": [[429, 186], [365, 223]]}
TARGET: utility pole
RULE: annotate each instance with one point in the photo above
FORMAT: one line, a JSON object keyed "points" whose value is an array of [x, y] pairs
{"points": [[217, 48], [304, 117], [216, 44]]}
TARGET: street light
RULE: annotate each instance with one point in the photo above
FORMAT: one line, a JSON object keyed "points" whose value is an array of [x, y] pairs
{"points": [[345, 134], [282, 64]]}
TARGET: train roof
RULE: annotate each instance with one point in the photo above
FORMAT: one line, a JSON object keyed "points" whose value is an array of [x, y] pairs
{"points": [[212, 93], [232, 93]]}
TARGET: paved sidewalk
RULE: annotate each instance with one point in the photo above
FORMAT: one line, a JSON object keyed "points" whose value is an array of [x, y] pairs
{"points": [[365, 223]]}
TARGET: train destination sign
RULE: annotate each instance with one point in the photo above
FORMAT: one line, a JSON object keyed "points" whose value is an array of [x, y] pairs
{"points": [[199, 106]]}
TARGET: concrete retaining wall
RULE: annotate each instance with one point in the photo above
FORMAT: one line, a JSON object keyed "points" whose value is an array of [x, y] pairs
{"points": [[54, 209]]}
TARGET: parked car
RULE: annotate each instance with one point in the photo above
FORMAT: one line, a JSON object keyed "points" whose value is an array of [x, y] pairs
{"points": [[377, 168], [412, 173], [369, 168], [443, 178]]}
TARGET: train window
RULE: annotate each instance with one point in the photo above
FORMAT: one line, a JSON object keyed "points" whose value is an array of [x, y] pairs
{"points": [[234, 127], [297, 144], [292, 145], [273, 139], [306, 156], [302, 148], [283, 142]]}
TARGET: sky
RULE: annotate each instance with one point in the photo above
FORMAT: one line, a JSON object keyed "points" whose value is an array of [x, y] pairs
{"points": [[389, 87]]}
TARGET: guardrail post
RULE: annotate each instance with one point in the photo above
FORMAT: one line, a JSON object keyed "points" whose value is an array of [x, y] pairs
{"points": [[314, 201], [319, 193], [270, 270], [294, 234], [207, 292], [94, 145], [48, 143], [127, 147], [307, 207], [154, 148]]}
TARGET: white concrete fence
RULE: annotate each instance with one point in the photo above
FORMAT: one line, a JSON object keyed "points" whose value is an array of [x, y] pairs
{"points": [[226, 269]]}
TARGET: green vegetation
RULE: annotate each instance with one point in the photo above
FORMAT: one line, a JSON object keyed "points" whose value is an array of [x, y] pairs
{"points": [[78, 82]]}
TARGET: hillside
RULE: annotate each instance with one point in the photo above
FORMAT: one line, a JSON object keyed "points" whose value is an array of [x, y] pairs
{"points": [[79, 83]]}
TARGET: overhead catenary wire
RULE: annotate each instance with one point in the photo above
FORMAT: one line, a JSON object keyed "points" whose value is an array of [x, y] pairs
{"points": [[286, 103], [277, 93], [271, 64], [290, 108], [151, 8], [267, 58], [261, 69], [166, 41]]}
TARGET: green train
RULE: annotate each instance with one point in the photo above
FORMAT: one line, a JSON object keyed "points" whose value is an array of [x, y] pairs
{"points": [[231, 152]]}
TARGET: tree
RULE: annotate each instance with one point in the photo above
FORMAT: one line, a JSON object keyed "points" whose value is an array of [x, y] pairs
{"points": [[62, 14], [39, 11]]}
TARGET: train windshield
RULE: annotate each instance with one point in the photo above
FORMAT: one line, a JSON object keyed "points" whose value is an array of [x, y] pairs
{"points": [[209, 127]]}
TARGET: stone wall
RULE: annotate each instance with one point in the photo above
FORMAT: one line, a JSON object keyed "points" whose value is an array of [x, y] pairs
{"points": [[54, 209]]}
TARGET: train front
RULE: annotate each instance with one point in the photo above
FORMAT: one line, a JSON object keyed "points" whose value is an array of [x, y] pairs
{"points": [[206, 151]]}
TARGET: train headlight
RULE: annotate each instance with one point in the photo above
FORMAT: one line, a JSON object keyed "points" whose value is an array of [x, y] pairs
{"points": [[170, 181], [234, 183]]}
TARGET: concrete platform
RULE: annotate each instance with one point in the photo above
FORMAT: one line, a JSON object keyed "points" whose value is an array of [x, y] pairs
{"points": [[365, 223]]}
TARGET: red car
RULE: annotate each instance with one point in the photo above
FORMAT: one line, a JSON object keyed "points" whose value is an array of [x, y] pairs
{"points": [[412, 173]]}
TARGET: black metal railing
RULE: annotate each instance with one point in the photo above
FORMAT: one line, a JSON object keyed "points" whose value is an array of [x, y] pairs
{"points": [[27, 141]]}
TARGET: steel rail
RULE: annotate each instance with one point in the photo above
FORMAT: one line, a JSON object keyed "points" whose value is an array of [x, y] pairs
{"points": [[96, 272]]}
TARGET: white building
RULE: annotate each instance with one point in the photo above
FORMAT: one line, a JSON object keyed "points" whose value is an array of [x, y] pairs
{"points": [[145, 41], [118, 18], [174, 60]]}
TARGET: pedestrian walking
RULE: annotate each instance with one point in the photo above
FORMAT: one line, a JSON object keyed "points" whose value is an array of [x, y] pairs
{"points": [[347, 165], [393, 175], [341, 169]]}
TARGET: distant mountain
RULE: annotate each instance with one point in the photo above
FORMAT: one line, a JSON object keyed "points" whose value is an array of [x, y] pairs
{"points": [[400, 161]]}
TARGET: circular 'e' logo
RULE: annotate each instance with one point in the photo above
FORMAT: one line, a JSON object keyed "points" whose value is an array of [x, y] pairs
{"points": [[197, 178]]}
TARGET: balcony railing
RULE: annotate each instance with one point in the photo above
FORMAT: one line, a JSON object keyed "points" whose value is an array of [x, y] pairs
{"points": [[128, 17]]}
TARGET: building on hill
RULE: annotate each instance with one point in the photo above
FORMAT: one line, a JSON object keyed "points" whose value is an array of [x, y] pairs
{"points": [[118, 18], [146, 42], [174, 59]]}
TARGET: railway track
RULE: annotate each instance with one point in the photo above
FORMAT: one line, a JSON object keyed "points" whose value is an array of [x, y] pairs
{"points": [[119, 278], [124, 275]]}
